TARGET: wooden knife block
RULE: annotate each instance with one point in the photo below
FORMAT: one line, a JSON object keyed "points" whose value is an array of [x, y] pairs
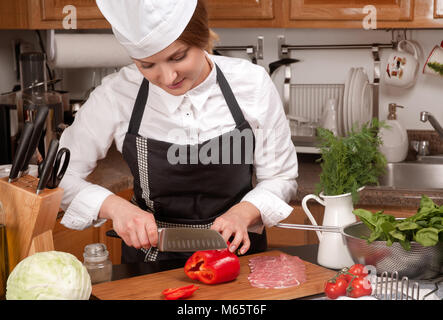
{"points": [[30, 218]]}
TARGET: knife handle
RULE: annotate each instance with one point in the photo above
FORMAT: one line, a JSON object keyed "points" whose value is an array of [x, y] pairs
{"points": [[47, 165], [39, 122], [19, 158]]}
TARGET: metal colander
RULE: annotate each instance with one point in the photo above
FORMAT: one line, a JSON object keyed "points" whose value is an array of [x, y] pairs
{"points": [[418, 263]]}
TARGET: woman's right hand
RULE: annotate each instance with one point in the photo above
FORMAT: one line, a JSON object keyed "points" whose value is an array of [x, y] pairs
{"points": [[136, 227]]}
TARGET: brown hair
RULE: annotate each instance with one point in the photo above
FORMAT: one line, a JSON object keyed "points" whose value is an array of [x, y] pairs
{"points": [[197, 32]]}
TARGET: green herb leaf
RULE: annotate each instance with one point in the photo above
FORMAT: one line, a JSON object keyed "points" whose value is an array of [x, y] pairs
{"points": [[427, 237]]}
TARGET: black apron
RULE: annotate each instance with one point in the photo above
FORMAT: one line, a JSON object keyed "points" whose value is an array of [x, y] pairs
{"points": [[189, 185]]}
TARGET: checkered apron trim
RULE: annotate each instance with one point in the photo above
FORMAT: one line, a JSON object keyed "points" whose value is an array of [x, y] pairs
{"points": [[142, 156], [152, 252]]}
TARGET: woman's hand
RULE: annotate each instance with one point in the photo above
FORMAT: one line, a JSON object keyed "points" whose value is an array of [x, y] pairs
{"points": [[136, 227], [235, 222]]}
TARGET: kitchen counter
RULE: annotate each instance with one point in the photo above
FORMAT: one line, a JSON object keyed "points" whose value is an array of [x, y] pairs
{"points": [[113, 173]]}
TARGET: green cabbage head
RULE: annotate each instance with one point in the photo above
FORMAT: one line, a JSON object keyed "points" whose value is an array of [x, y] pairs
{"points": [[51, 275]]}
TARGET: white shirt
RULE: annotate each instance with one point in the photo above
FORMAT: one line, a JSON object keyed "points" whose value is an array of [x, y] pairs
{"points": [[199, 115]]}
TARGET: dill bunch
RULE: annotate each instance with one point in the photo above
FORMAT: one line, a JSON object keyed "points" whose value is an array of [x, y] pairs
{"points": [[350, 162]]}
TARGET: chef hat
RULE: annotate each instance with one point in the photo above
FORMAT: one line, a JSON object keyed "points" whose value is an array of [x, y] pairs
{"points": [[145, 27]]}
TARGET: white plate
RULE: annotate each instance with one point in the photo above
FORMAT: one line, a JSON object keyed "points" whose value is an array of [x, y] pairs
{"points": [[356, 98], [343, 118], [360, 81], [350, 103], [366, 103]]}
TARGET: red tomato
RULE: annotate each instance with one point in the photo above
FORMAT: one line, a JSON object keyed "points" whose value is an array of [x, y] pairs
{"points": [[179, 293], [359, 287], [336, 287], [358, 270]]}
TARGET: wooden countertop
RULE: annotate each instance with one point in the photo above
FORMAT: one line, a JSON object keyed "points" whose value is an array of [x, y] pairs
{"points": [[113, 173]]}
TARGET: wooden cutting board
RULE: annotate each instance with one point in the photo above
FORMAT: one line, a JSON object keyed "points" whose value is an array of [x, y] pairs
{"points": [[149, 287]]}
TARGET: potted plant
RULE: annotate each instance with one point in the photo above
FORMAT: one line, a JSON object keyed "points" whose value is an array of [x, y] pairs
{"points": [[348, 164]]}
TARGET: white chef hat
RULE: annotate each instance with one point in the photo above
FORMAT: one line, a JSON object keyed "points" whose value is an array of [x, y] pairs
{"points": [[145, 27]]}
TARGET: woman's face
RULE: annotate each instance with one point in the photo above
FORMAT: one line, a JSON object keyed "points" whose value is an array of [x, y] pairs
{"points": [[176, 69]]}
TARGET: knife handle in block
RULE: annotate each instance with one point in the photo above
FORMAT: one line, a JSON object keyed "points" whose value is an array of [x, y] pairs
{"points": [[47, 165], [20, 154], [39, 122]]}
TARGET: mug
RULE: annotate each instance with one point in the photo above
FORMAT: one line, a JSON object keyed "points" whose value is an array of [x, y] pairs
{"points": [[436, 56], [402, 66]]}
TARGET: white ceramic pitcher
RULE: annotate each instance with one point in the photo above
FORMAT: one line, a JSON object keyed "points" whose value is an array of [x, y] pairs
{"points": [[332, 251]]}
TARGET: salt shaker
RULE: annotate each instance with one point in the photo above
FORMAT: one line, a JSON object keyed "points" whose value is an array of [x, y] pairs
{"points": [[97, 262]]}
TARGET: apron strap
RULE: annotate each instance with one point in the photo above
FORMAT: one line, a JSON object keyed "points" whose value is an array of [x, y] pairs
{"points": [[230, 98], [139, 107]]}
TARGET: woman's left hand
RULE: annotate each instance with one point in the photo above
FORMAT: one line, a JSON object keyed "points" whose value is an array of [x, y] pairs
{"points": [[235, 222]]}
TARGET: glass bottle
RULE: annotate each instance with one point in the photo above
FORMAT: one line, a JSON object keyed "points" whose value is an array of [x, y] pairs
{"points": [[97, 262], [4, 266]]}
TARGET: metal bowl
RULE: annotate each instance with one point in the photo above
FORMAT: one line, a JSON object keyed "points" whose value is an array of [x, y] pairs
{"points": [[418, 263]]}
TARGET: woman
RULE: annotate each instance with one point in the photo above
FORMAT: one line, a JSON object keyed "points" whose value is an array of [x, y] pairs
{"points": [[193, 128]]}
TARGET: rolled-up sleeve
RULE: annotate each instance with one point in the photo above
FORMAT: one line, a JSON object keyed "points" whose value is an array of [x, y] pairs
{"points": [[275, 161], [88, 139]]}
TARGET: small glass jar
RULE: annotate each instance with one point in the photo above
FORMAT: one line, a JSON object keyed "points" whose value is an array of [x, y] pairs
{"points": [[97, 263]]}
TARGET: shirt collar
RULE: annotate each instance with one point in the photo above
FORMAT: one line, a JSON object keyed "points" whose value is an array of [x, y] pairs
{"points": [[162, 100]]}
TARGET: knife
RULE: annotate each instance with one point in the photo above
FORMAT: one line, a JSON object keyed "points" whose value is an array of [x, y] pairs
{"points": [[39, 122], [45, 168], [19, 158], [185, 239]]}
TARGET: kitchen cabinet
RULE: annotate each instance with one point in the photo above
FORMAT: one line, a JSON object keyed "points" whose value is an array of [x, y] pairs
{"points": [[245, 13], [351, 10], [279, 237], [350, 14], [48, 14], [438, 9]]}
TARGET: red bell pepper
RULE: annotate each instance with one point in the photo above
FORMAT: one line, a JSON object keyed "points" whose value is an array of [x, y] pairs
{"points": [[179, 293], [213, 266]]}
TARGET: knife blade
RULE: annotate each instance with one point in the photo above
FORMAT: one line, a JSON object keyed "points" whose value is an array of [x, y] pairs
{"points": [[39, 123], [46, 167], [185, 239], [17, 163]]}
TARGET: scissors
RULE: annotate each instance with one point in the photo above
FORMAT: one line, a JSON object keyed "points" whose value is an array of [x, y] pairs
{"points": [[56, 172]]}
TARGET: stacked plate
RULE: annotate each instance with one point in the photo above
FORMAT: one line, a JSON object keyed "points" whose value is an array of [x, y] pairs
{"points": [[357, 101]]}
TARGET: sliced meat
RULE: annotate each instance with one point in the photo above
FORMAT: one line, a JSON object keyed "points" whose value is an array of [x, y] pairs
{"points": [[276, 272]]}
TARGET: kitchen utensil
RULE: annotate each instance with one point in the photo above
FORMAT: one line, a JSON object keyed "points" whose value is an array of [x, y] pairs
{"points": [[20, 155], [401, 68], [58, 172], [39, 123], [436, 56], [47, 166], [418, 263], [135, 288], [332, 251], [387, 287], [185, 239]]}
